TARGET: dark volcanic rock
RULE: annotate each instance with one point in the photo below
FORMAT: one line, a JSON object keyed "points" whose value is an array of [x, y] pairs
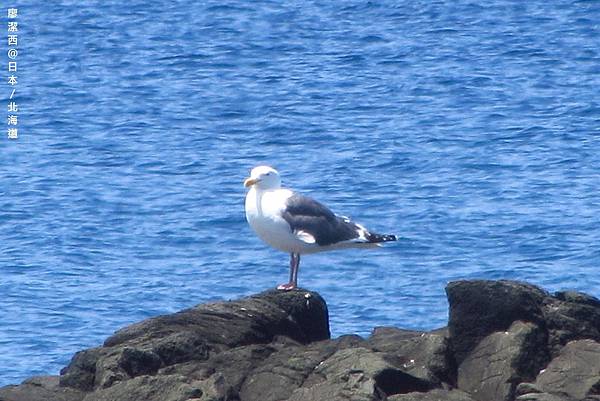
{"points": [[543, 397], [505, 341], [204, 352], [150, 388], [300, 315], [571, 316], [479, 308], [181, 347], [137, 362], [81, 372], [40, 388], [433, 395], [356, 373], [502, 360], [530, 392], [575, 372], [503, 333], [288, 369], [424, 355]]}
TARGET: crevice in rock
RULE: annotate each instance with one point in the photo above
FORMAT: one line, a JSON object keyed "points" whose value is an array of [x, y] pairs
{"points": [[394, 381]]}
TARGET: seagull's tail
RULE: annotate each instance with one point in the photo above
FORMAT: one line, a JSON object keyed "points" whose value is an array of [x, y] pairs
{"points": [[370, 239]]}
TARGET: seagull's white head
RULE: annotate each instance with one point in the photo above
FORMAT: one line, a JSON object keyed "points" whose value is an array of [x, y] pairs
{"points": [[263, 177]]}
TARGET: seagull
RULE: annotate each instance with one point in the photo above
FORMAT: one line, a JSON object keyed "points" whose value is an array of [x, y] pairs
{"points": [[297, 224]]}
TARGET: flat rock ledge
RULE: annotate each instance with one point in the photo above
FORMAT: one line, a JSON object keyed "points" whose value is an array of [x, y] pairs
{"points": [[505, 341]]}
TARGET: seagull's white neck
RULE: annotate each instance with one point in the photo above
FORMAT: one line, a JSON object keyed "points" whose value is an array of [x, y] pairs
{"points": [[262, 200], [262, 187], [253, 199]]}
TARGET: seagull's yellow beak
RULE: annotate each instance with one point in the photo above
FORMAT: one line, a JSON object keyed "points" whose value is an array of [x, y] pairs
{"points": [[248, 182]]}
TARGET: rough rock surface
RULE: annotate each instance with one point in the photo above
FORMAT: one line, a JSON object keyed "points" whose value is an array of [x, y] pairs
{"points": [[423, 355], [505, 340], [492, 370], [479, 308], [578, 359]]}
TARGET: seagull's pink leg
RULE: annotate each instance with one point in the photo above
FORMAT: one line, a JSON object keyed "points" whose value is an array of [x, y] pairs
{"points": [[294, 265], [294, 279]]}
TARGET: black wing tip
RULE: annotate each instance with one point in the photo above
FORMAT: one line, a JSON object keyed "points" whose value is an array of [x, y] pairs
{"points": [[376, 238]]}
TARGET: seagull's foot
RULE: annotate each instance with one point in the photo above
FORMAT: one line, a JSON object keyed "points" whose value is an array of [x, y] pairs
{"points": [[286, 287]]}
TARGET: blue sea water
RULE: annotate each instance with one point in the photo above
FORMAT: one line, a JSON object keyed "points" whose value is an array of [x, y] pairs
{"points": [[471, 129]]}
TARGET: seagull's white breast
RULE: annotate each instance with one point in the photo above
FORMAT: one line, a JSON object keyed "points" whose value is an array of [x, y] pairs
{"points": [[263, 212]]}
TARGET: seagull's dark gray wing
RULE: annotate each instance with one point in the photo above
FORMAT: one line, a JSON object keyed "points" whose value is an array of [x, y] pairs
{"points": [[305, 214]]}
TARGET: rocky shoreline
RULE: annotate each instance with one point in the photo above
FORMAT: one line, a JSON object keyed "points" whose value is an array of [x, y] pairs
{"points": [[504, 341]]}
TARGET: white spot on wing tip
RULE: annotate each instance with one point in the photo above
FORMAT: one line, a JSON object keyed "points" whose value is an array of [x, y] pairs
{"points": [[362, 233]]}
